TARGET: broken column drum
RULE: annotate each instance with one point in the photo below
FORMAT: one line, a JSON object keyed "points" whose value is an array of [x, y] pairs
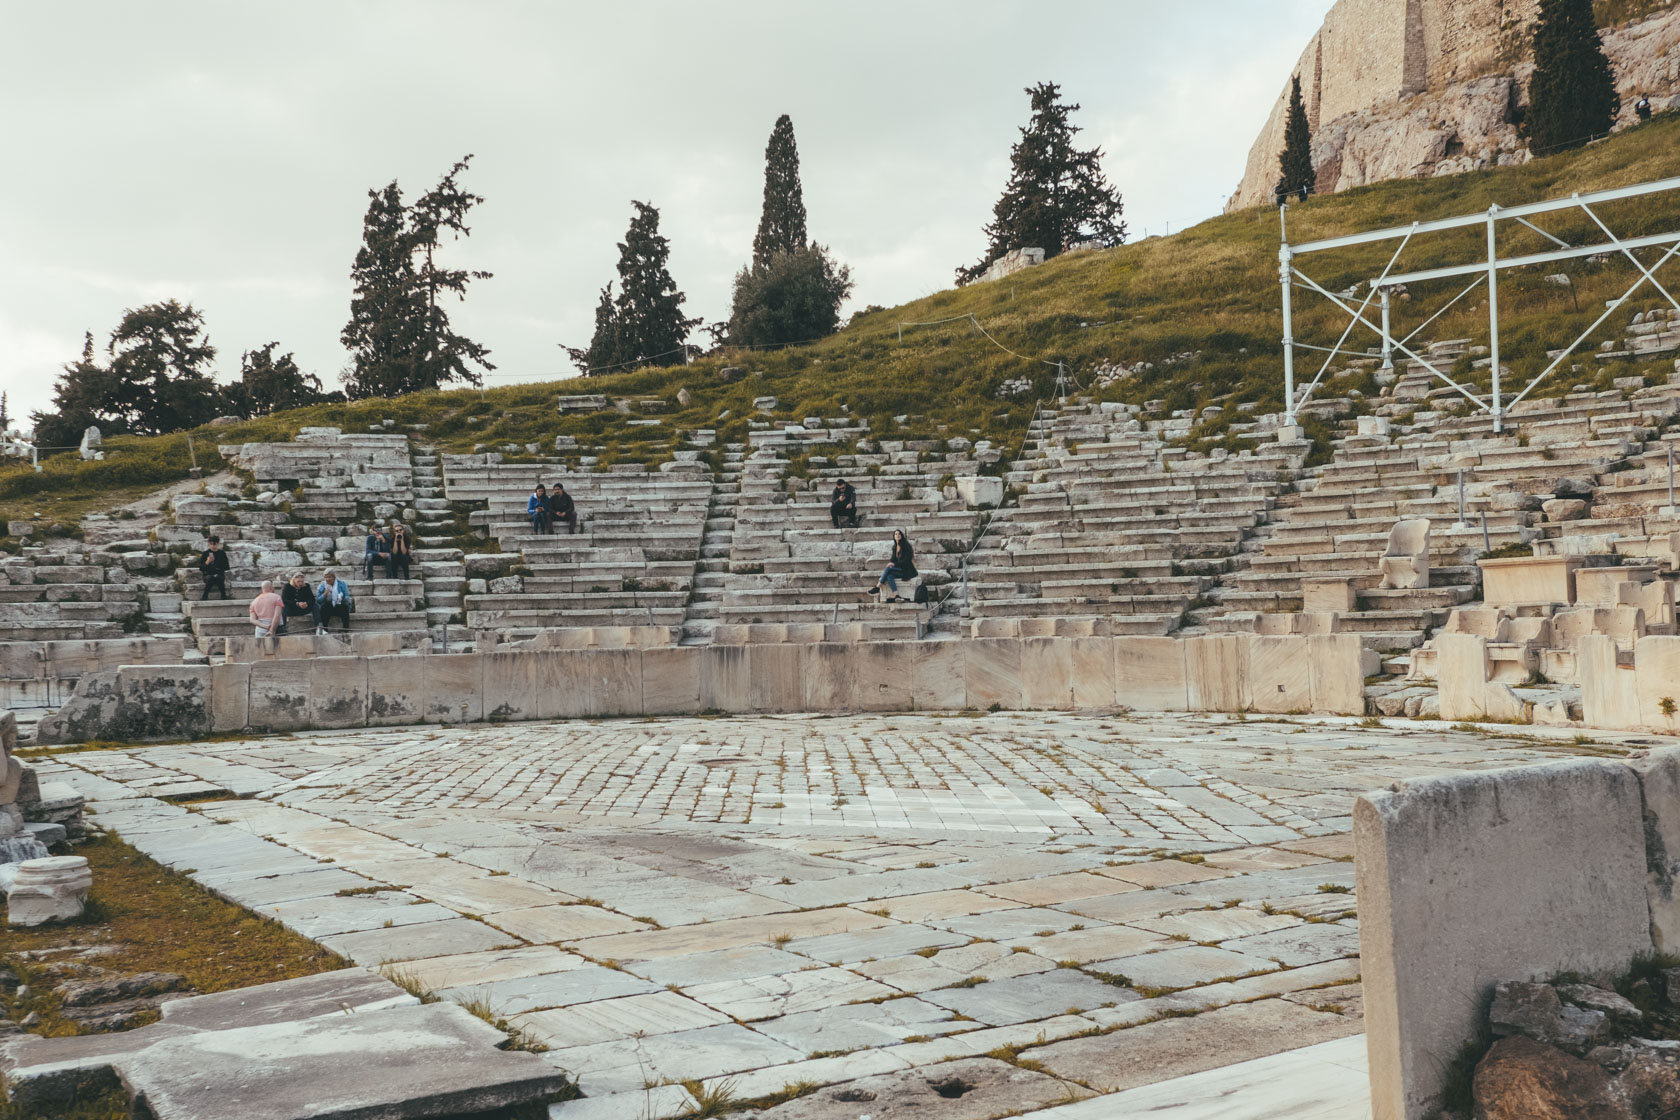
{"points": [[53, 889]]}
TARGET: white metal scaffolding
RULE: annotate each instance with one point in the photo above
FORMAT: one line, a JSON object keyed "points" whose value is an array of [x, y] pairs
{"points": [[1484, 270]]}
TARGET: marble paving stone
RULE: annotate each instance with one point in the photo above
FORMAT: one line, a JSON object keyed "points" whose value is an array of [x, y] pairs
{"points": [[464, 969], [912, 974], [990, 958], [405, 943], [482, 894], [990, 1088], [1163, 873], [1058, 888], [1338, 847], [563, 923], [1178, 1046], [767, 997], [585, 1024], [886, 941], [662, 1102], [271, 890], [729, 934], [1023, 998], [816, 1071], [1261, 859], [1129, 907], [1299, 945], [1085, 945], [945, 904], [1184, 968], [720, 965], [1217, 925], [322, 917], [624, 1065], [553, 989], [1009, 923], [862, 1026]]}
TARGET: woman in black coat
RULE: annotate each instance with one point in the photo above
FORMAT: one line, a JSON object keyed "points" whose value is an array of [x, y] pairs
{"points": [[901, 566]]}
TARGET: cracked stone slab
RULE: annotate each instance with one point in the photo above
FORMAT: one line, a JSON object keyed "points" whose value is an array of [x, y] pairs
{"points": [[970, 1089], [1024, 998]]}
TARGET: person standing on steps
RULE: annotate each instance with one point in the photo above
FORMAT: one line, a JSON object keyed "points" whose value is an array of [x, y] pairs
{"points": [[334, 599], [213, 566], [267, 612], [297, 600], [402, 551], [842, 504], [378, 551], [562, 508], [901, 566], [536, 508]]}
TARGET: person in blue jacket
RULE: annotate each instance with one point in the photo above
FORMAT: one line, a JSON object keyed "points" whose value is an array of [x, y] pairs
{"points": [[332, 595], [536, 508]]}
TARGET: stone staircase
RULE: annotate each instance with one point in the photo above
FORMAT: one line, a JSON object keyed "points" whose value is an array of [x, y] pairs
{"points": [[711, 570], [441, 566]]}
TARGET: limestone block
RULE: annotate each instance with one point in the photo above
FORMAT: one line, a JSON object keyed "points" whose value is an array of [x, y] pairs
{"points": [[1280, 671], [11, 779], [976, 490], [1602, 587], [396, 687], [1217, 672], [882, 673], [1093, 673], [590, 682], [161, 702], [48, 890], [1609, 689], [1461, 670], [725, 679], [1318, 622], [1151, 674], [8, 732], [230, 697], [338, 692], [454, 690], [1046, 673], [1529, 579], [671, 680], [1659, 781], [1656, 663], [1276, 622], [1564, 509], [279, 695], [937, 676], [1328, 595], [1339, 670], [1035, 627], [781, 682], [992, 672], [1477, 878], [514, 685], [1655, 599]]}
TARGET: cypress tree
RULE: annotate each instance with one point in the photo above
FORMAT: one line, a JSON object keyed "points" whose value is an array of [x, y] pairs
{"points": [[644, 325], [445, 354], [1572, 96], [781, 224], [1056, 195], [1295, 161]]}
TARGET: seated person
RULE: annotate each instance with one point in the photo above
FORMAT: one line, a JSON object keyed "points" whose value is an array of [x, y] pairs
{"points": [[562, 508], [536, 508], [402, 551], [213, 565], [1643, 107], [377, 550], [333, 599], [842, 505], [901, 566], [298, 601]]}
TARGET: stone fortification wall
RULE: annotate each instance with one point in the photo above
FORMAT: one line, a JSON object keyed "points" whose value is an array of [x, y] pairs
{"points": [[1225, 672], [1404, 88]]}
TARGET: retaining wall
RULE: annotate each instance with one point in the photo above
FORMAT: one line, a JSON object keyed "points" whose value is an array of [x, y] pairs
{"points": [[1224, 672], [1637, 693]]}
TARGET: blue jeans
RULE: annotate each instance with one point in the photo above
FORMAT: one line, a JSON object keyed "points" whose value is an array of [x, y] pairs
{"points": [[539, 523], [891, 576]]}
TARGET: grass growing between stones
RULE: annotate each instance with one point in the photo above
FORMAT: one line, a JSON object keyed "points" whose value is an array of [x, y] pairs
{"points": [[143, 917]]}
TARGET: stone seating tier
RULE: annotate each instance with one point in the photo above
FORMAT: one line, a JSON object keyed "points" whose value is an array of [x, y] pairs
{"points": [[382, 605]]}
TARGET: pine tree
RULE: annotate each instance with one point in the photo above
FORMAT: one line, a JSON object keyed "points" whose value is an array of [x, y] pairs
{"points": [[159, 371], [644, 324], [269, 384], [793, 297], [398, 334], [445, 354], [781, 224], [1295, 161], [5, 416], [81, 397], [1572, 96], [1056, 195]]}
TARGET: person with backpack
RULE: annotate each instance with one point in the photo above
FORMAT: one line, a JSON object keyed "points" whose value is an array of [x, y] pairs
{"points": [[901, 566]]}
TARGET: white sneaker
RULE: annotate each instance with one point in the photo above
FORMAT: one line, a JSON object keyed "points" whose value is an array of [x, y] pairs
{"points": [[320, 631]]}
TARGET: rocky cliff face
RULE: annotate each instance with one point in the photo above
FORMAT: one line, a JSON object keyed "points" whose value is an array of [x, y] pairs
{"points": [[1416, 88]]}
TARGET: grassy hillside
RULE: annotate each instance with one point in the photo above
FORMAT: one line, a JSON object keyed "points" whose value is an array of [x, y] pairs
{"points": [[1202, 306]]}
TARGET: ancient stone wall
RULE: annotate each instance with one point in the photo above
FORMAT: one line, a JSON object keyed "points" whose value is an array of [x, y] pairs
{"points": [[1402, 88]]}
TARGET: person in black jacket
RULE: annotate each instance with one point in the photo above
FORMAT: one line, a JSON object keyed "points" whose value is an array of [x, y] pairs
{"points": [[213, 566], [297, 600], [402, 551], [562, 508], [901, 566], [842, 504]]}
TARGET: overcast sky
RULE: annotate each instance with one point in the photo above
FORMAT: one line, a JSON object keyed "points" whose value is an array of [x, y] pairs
{"points": [[221, 153]]}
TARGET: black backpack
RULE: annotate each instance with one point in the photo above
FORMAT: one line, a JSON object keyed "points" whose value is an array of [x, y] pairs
{"points": [[921, 595]]}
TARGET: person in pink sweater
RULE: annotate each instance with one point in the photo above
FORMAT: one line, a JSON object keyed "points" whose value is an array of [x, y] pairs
{"points": [[266, 611]]}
